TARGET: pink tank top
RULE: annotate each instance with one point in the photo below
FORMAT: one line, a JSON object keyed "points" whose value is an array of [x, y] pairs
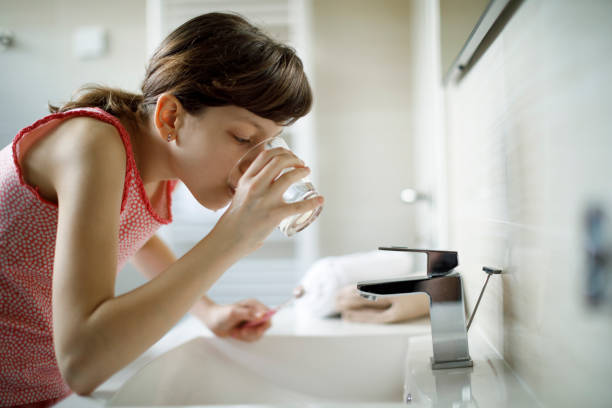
{"points": [[28, 225]]}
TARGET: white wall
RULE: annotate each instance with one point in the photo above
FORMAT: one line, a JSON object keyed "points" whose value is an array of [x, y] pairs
{"points": [[363, 61], [41, 68], [529, 142]]}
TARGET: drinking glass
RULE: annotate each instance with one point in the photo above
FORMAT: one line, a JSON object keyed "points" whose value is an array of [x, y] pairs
{"points": [[298, 191]]}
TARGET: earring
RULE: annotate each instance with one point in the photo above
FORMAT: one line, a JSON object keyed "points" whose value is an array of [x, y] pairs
{"points": [[169, 136]]}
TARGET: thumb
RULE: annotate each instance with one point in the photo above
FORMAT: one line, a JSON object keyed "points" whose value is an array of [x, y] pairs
{"points": [[258, 308], [241, 313]]}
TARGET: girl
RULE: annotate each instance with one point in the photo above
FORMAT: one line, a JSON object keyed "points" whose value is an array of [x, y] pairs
{"points": [[84, 189]]}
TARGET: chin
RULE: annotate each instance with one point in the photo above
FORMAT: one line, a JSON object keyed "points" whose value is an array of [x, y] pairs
{"points": [[213, 204], [218, 207]]}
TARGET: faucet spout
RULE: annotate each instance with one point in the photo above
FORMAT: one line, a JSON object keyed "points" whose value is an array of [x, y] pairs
{"points": [[447, 315]]}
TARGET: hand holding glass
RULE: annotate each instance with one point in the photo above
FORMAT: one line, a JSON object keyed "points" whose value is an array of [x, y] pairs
{"points": [[299, 191]]}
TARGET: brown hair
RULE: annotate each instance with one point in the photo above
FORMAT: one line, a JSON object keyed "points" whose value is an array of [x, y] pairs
{"points": [[215, 59]]}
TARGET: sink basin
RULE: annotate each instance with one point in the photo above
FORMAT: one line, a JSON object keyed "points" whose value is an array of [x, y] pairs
{"points": [[274, 370]]}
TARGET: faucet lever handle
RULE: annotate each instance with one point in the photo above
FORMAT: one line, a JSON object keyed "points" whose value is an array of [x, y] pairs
{"points": [[439, 263]]}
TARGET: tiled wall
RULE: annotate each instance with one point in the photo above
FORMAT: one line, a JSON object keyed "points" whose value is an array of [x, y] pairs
{"points": [[529, 136]]}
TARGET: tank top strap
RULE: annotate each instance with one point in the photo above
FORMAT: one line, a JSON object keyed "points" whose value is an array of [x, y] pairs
{"points": [[20, 145]]}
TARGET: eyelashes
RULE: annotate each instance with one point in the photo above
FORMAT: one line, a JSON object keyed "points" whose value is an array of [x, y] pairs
{"points": [[241, 140]]}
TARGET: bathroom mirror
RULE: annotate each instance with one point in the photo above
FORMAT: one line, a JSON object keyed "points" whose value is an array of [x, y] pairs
{"points": [[463, 25]]}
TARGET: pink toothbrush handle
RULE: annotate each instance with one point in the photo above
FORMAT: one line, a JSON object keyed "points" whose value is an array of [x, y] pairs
{"points": [[262, 319]]}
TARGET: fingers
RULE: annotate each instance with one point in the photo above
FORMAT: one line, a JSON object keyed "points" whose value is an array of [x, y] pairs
{"points": [[348, 298], [367, 315], [275, 168], [281, 184], [255, 305], [250, 333], [233, 320], [400, 309], [239, 313], [266, 173], [258, 311], [301, 207], [410, 307], [255, 324], [260, 318], [357, 309], [274, 161]]}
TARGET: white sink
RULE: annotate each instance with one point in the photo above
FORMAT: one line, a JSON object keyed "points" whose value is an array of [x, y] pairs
{"points": [[328, 364], [277, 370]]}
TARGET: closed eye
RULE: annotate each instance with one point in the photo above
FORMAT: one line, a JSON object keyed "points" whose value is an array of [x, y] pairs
{"points": [[241, 140]]}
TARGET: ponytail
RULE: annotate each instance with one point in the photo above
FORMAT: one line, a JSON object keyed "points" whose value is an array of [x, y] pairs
{"points": [[115, 101]]}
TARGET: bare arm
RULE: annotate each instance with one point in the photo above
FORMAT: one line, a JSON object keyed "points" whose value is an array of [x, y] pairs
{"points": [[223, 320], [154, 258], [96, 333]]}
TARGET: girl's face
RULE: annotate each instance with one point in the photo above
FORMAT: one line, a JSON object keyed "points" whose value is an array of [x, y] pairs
{"points": [[208, 146]]}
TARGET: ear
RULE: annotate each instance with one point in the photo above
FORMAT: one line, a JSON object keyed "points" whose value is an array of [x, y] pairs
{"points": [[168, 116]]}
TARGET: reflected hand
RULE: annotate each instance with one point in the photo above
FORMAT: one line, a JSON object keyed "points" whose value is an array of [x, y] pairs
{"points": [[230, 320], [391, 309]]}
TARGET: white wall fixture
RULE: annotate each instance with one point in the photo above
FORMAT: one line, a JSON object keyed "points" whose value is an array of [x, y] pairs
{"points": [[89, 42], [411, 196], [7, 39]]}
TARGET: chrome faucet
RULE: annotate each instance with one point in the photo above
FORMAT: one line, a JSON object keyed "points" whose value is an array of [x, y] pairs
{"points": [[446, 307]]}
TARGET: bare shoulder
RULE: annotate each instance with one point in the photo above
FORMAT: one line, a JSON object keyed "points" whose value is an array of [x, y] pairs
{"points": [[85, 135], [78, 146]]}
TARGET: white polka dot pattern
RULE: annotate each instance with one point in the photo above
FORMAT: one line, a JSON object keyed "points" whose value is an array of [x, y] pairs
{"points": [[28, 226]]}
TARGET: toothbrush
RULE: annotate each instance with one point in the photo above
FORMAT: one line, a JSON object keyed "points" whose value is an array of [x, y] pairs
{"points": [[298, 292]]}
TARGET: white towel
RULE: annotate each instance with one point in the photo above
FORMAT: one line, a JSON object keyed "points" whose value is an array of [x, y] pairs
{"points": [[326, 276]]}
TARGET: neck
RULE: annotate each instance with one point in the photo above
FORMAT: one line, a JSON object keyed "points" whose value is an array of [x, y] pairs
{"points": [[151, 153]]}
